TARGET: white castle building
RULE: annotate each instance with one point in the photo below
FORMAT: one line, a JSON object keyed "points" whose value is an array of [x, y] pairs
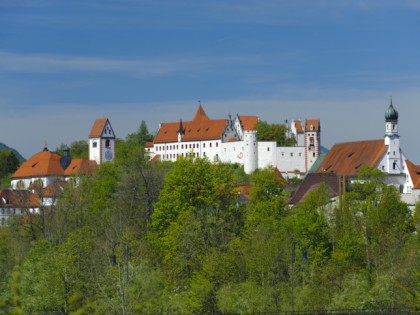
{"points": [[234, 140]]}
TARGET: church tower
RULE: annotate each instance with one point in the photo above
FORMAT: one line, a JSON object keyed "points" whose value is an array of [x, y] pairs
{"points": [[102, 141], [392, 140]]}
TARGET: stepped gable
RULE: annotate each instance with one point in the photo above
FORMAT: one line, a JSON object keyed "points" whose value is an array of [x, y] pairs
{"points": [[313, 181], [248, 122], [198, 129], [347, 158], [44, 163], [414, 171], [98, 128]]}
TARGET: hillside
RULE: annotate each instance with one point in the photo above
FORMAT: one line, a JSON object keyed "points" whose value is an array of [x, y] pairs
{"points": [[18, 155]]}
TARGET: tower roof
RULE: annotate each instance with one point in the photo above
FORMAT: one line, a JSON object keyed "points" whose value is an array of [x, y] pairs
{"points": [[98, 127], [391, 113], [200, 114]]}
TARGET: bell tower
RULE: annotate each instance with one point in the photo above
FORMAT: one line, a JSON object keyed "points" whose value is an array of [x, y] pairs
{"points": [[392, 140], [102, 141]]}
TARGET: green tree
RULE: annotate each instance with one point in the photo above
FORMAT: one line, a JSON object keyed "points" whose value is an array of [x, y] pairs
{"points": [[196, 213], [141, 136], [78, 149], [274, 132]]}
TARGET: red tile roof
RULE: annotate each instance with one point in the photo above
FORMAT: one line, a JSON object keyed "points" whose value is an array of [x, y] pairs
{"points": [[53, 190], [414, 171], [18, 198], [298, 125], [200, 128], [248, 122], [81, 167], [148, 144], [44, 163], [200, 114], [98, 127], [314, 122], [346, 159]]}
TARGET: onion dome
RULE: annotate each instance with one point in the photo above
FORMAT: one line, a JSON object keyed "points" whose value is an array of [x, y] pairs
{"points": [[391, 114]]}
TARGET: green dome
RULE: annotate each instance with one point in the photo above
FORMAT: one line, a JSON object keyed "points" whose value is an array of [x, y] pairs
{"points": [[391, 113]]}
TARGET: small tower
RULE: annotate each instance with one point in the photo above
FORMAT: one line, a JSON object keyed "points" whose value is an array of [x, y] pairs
{"points": [[101, 141], [391, 122], [180, 131], [251, 151], [312, 142], [392, 140]]}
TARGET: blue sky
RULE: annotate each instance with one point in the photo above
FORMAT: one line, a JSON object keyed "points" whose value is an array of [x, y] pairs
{"points": [[65, 63]]}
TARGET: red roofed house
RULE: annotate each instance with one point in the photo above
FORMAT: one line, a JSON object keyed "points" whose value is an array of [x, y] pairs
{"points": [[233, 141], [346, 159], [46, 172]]}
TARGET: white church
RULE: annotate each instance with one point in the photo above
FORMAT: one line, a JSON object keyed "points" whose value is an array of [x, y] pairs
{"points": [[234, 140]]}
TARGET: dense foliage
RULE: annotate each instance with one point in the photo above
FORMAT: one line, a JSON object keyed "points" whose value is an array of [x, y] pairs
{"points": [[9, 163], [274, 132], [141, 238]]}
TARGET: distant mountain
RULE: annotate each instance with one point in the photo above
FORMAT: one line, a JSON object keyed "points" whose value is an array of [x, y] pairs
{"points": [[324, 150], [18, 155]]}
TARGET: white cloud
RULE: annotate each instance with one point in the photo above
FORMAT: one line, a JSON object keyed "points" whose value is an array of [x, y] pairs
{"points": [[49, 63]]}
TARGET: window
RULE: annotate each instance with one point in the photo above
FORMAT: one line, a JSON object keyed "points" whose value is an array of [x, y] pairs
{"points": [[204, 145], [217, 144], [394, 165], [94, 144], [107, 143], [291, 153], [210, 144], [313, 154], [268, 149]]}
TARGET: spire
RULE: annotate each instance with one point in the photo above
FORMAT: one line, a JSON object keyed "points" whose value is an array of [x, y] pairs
{"points": [[181, 128], [200, 113]]}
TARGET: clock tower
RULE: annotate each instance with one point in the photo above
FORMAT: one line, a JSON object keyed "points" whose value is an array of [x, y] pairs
{"points": [[102, 141]]}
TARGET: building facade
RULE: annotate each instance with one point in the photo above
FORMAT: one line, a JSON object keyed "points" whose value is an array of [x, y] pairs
{"points": [[234, 140]]}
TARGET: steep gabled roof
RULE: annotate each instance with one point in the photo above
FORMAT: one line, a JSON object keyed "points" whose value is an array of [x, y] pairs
{"points": [[312, 182], [248, 122], [414, 171], [200, 128], [314, 122], [298, 125], [200, 114], [42, 164], [347, 158], [98, 127]]}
